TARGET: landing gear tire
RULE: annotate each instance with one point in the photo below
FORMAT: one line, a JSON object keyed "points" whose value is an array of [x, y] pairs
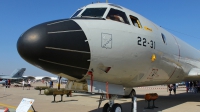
{"points": [[116, 108], [106, 108]]}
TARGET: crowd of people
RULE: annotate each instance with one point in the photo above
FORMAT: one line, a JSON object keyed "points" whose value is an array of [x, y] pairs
{"points": [[28, 82], [192, 86], [24, 83]]}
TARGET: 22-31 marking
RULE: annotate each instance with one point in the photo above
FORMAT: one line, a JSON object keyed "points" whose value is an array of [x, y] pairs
{"points": [[143, 42]]}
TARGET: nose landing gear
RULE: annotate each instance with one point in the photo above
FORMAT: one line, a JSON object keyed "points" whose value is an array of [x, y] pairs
{"points": [[115, 107], [111, 106]]}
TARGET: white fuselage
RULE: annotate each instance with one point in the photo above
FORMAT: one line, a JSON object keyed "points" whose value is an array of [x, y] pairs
{"points": [[128, 51], [106, 45]]}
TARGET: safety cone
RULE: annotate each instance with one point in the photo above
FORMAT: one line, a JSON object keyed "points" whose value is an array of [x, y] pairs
{"points": [[6, 110]]}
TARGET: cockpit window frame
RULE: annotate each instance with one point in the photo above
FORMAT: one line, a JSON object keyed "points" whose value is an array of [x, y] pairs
{"points": [[76, 13], [115, 6]]}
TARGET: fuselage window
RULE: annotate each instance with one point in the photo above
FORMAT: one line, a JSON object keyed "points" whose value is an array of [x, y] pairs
{"points": [[77, 12], [94, 12], [163, 38], [117, 15], [135, 21]]}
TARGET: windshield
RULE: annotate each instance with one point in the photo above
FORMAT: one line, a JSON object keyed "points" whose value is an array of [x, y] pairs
{"points": [[77, 12], [94, 12]]}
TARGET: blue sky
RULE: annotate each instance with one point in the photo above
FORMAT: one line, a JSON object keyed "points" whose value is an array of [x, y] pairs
{"points": [[16, 16]]}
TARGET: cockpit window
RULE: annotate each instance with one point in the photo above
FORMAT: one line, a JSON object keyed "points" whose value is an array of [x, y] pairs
{"points": [[117, 15], [94, 12], [77, 12], [135, 21]]}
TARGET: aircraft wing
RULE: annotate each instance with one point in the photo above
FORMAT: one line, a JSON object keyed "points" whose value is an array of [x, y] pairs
{"points": [[194, 72], [5, 77]]}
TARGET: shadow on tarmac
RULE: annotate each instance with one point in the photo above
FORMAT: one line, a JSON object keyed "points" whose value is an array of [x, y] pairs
{"points": [[163, 102], [6, 95]]}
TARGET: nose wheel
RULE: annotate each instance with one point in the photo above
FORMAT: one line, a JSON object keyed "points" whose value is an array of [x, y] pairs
{"points": [[115, 108], [106, 108], [111, 106]]}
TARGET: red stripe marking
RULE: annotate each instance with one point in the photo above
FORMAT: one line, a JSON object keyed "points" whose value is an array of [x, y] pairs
{"points": [[91, 79]]}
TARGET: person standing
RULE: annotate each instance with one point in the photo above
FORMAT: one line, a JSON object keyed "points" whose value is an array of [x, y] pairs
{"points": [[6, 83], [23, 82], [174, 88], [170, 88], [51, 84], [195, 86], [187, 86], [191, 87], [198, 86], [46, 82], [29, 84]]}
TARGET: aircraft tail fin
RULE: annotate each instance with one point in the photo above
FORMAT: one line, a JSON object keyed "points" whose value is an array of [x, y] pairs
{"points": [[18, 73]]}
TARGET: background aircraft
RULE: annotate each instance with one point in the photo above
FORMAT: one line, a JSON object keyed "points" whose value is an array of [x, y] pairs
{"points": [[45, 78], [15, 76]]}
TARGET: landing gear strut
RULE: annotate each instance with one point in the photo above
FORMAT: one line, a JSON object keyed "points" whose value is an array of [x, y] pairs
{"points": [[134, 101]]}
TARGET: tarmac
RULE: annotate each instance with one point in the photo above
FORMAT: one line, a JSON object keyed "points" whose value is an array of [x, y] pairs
{"points": [[84, 102]]}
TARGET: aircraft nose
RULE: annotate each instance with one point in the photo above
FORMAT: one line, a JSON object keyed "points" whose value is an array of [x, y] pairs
{"points": [[31, 43], [58, 47]]}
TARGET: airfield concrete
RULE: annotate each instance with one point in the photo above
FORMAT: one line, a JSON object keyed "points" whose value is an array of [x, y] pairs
{"points": [[81, 102]]}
